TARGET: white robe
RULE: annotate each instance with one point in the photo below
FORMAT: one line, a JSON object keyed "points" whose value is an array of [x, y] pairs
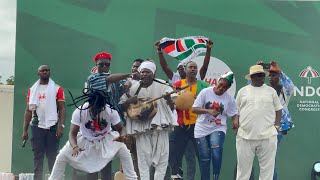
{"points": [[152, 136], [165, 118]]}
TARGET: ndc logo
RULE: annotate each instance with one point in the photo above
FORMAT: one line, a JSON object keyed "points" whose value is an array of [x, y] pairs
{"points": [[309, 73], [308, 91]]}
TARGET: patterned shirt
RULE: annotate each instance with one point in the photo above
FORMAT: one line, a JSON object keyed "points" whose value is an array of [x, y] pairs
{"points": [[113, 90], [286, 122]]}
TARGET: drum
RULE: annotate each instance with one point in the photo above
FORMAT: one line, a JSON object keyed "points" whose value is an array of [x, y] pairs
{"points": [[142, 110], [184, 100]]}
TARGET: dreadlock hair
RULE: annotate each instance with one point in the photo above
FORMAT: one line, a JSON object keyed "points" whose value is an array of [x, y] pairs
{"points": [[95, 94]]}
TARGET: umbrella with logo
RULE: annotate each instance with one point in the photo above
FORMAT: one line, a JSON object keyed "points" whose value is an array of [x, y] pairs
{"points": [[309, 73]]}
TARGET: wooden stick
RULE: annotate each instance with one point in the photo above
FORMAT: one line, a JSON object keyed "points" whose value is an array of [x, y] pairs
{"points": [[174, 91]]}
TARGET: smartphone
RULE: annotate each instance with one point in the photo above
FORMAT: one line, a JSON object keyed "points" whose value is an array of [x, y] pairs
{"points": [[266, 66]]}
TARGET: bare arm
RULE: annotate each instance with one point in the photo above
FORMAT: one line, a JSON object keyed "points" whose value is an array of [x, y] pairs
{"points": [[163, 62], [62, 111], [122, 131], [199, 110], [114, 78], [26, 122], [204, 68], [278, 117], [169, 102], [74, 129], [62, 117], [235, 121], [120, 128]]}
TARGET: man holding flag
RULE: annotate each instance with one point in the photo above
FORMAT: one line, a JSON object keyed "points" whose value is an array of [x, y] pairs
{"points": [[165, 46], [176, 46]]}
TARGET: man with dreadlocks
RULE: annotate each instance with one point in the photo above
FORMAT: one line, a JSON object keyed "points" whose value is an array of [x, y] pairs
{"points": [[114, 92], [112, 87], [151, 132], [92, 143]]}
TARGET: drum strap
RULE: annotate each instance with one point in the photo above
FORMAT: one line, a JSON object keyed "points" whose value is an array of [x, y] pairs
{"points": [[138, 90], [155, 80]]}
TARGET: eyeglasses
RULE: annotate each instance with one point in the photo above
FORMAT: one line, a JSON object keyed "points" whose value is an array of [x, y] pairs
{"points": [[104, 64]]}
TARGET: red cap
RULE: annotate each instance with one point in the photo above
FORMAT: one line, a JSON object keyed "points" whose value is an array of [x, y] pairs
{"points": [[102, 55]]}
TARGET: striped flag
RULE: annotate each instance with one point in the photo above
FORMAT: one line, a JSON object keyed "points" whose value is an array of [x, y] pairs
{"points": [[184, 49]]}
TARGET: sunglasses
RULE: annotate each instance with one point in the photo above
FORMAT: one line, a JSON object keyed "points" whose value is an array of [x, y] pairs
{"points": [[259, 75], [104, 64]]}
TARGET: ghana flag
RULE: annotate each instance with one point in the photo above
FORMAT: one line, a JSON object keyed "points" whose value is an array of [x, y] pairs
{"points": [[184, 49]]}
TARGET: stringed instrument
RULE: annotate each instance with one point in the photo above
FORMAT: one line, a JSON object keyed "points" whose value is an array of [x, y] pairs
{"points": [[146, 109]]}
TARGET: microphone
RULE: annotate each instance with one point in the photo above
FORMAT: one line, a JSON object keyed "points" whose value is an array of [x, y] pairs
{"points": [[24, 143]]}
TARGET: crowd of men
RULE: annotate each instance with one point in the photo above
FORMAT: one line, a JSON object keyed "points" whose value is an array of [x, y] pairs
{"points": [[152, 143]]}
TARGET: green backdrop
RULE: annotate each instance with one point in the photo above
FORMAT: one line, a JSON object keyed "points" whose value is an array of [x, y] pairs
{"points": [[66, 34]]}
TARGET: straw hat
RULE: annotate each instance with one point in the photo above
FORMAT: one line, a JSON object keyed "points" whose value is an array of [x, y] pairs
{"points": [[255, 69]]}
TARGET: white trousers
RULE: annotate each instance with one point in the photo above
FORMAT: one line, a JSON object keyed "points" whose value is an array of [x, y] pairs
{"points": [[123, 153], [266, 152], [153, 150]]}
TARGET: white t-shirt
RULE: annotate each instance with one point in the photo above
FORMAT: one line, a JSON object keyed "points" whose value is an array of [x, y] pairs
{"points": [[206, 123], [40, 116], [93, 129], [41, 109], [176, 77], [257, 107]]}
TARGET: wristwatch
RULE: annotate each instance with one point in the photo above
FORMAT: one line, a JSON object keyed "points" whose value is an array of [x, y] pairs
{"points": [[62, 125], [277, 127]]}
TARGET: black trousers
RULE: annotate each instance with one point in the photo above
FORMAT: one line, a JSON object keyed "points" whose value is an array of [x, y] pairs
{"points": [[43, 142], [183, 136]]}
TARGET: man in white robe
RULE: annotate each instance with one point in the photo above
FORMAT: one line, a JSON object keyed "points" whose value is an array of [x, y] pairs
{"points": [[152, 133]]}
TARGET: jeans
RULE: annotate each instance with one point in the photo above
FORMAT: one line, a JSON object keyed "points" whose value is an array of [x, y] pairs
{"points": [[275, 174], [210, 148], [184, 135], [43, 142]]}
